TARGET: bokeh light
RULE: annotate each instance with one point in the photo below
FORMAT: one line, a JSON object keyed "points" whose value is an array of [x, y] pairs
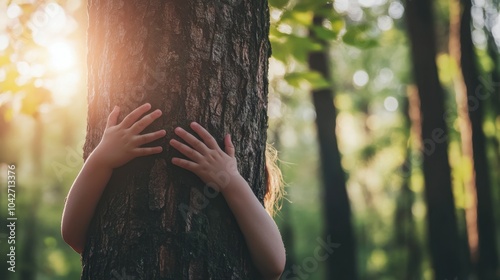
{"points": [[360, 78], [391, 104]]}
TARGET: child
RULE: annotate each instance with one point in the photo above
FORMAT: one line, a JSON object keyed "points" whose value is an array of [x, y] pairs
{"points": [[121, 142]]}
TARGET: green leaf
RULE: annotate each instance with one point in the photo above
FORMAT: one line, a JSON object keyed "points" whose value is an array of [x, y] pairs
{"points": [[278, 3], [337, 24], [324, 33], [312, 78], [301, 47], [311, 5], [280, 51], [295, 17], [329, 14], [359, 36]]}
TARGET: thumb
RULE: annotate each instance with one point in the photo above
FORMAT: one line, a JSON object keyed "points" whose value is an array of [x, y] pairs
{"points": [[229, 147], [113, 117]]}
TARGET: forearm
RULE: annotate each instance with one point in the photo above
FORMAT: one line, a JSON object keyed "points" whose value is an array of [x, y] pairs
{"points": [[259, 229], [82, 201]]}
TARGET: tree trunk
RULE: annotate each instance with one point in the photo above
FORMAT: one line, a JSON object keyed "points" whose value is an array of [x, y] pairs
{"points": [[196, 61], [341, 264], [442, 223], [487, 258], [405, 227], [454, 46]]}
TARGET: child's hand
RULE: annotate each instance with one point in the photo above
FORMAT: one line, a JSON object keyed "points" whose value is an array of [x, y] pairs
{"points": [[214, 166], [122, 142]]}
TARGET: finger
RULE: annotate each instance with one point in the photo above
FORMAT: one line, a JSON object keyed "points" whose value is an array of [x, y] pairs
{"points": [[186, 150], [205, 135], [150, 137], [191, 140], [186, 164], [229, 147], [146, 151], [140, 125], [113, 117], [131, 118]]}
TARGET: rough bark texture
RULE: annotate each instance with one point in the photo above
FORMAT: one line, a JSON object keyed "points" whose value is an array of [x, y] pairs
{"points": [[442, 223], [341, 264], [203, 61], [487, 259]]}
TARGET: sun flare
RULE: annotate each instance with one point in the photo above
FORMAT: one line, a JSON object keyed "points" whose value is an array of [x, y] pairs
{"points": [[62, 56]]}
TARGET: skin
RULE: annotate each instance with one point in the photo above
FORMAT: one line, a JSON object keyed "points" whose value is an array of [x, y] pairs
{"points": [[123, 142]]}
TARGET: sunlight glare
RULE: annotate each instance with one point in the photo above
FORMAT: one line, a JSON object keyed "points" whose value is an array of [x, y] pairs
{"points": [[495, 30], [384, 23], [479, 38], [62, 56], [341, 6], [4, 42], [13, 11], [367, 3]]}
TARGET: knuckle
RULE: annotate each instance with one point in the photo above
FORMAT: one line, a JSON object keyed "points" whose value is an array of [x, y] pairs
{"points": [[191, 152]]}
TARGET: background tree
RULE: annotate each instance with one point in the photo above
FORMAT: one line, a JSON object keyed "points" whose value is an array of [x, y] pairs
{"points": [[485, 260], [203, 61], [337, 211], [405, 236], [442, 224]]}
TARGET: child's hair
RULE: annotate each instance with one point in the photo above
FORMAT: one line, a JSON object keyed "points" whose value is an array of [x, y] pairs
{"points": [[274, 181]]}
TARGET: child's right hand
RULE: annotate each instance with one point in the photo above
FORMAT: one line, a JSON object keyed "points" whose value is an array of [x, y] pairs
{"points": [[122, 142]]}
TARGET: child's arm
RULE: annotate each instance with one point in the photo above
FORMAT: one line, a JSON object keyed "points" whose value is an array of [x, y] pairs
{"points": [[119, 144], [218, 168]]}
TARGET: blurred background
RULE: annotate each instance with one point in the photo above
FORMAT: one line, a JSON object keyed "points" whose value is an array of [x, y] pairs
{"points": [[43, 120]]}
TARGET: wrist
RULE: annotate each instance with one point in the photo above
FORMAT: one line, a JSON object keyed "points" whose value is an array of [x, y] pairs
{"points": [[236, 184], [97, 160]]}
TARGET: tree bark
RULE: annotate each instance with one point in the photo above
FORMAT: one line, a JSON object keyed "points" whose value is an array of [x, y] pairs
{"points": [[196, 61], [442, 223], [487, 258], [342, 263]]}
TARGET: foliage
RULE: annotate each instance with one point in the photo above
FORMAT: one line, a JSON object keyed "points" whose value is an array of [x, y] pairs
{"points": [[371, 76]]}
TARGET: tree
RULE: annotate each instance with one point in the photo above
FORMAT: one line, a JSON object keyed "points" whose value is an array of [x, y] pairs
{"points": [[405, 229], [441, 220], [486, 262], [195, 60], [342, 264]]}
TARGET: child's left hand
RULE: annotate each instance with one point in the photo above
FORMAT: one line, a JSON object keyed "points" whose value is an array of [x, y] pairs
{"points": [[218, 170], [214, 166]]}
